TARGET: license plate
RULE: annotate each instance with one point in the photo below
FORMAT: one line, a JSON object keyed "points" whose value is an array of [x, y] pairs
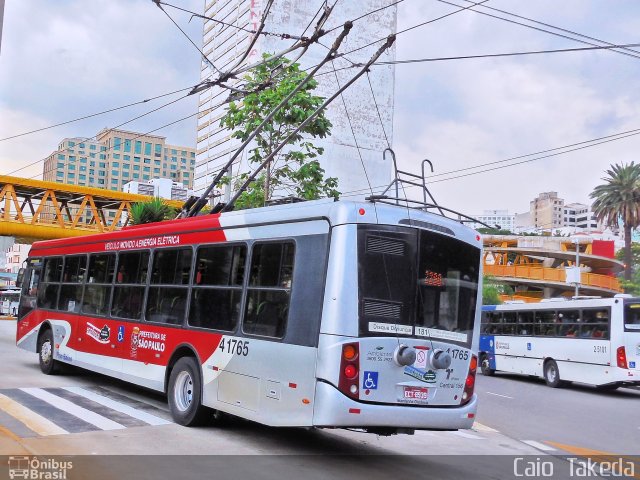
{"points": [[416, 393]]}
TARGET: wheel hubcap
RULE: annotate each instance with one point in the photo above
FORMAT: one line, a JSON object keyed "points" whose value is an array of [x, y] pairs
{"points": [[183, 391], [485, 364], [552, 374], [45, 352]]}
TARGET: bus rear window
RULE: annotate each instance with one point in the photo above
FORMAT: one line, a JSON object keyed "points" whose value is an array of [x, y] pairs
{"points": [[416, 283]]}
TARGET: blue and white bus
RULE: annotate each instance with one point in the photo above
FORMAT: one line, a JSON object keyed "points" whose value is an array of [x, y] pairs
{"points": [[595, 341]]}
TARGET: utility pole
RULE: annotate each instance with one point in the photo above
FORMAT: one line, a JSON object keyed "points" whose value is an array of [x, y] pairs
{"points": [[578, 266]]}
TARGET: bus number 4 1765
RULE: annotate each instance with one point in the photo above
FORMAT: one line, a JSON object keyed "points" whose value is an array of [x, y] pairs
{"points": [[239, 347]]}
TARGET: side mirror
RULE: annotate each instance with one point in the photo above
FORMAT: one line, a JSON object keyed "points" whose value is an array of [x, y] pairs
{"points": [[20, 278]]}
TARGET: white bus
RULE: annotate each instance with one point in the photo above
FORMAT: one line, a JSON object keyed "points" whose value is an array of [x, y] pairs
{"points": [[594, 341], [9, 302], [316, 314]]}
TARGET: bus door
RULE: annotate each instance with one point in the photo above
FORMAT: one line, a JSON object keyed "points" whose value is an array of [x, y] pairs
{"points": [[99, 340], [631, 336]]}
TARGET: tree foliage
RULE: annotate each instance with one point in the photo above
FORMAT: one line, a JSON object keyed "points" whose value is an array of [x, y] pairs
{"points": [[631, 286], [492, 289], [150, 212], [619, 198], [295, 170]]}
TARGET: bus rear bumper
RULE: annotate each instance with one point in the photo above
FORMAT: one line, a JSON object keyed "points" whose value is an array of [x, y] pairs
{"points": [[333, 409]]}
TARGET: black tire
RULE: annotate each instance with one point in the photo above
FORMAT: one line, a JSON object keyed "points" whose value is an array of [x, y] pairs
{"points": [[484, 366], [185, 394], [48, 365], [552, 374]]}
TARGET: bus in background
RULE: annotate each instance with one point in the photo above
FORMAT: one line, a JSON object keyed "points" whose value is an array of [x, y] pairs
{"points": [[595, 341], [9, 299], [315, 314]]}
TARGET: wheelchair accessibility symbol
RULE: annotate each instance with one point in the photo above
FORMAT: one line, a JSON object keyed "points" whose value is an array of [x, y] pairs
{"points": [[370, 381]]}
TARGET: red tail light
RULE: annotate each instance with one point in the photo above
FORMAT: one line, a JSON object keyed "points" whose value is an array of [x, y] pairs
{"points": [[470, 381], [621, 355], [348, 382]]}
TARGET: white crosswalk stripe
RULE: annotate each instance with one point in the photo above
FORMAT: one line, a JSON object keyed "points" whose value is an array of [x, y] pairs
{"points": [[70, 407], [118, 406], [34, 412]]}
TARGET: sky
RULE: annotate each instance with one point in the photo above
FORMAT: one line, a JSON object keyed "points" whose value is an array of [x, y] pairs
{"points": [[69, 58]]}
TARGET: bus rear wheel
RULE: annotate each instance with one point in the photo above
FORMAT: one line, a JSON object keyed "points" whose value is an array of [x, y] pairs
{"points": [[185, 393], [48, 365], [552, 374], [485, 367]]}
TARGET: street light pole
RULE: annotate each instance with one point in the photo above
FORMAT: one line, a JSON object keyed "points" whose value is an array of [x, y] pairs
{"points": [[578, 266]]}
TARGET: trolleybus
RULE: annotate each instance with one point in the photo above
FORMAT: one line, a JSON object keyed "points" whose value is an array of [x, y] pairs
{"points": [[593, 340], [315, 314]]}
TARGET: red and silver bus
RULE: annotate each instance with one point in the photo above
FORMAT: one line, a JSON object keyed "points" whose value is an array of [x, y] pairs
{"points": [[317, 314]]}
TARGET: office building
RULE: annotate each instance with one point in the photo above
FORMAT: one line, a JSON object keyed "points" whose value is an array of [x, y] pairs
{"points": [[116, 157], [225, 43]]}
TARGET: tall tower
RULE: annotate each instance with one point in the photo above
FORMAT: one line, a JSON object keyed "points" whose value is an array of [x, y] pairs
{"points": [[224, 44]]}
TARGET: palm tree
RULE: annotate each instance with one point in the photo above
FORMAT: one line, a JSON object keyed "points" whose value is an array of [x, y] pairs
{"points": [[151, 211], [619, 198]]}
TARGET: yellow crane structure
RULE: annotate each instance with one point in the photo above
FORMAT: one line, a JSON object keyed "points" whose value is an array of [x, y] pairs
{"points": [[34, 209]]}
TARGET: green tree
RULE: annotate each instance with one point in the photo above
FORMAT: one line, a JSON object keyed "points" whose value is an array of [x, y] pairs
{"points": [[492, 289], [490, 294], [631, 286], [295, 169], [150, 211], [619, 198]]}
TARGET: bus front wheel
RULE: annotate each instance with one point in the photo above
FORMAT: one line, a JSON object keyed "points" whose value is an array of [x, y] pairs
{"points": [[552, 374], [48, 365], [485, 367], [185, 393]]}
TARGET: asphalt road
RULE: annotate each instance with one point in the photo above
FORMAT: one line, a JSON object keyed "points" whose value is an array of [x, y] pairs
{"points": [[151, 446], [568, 419]]}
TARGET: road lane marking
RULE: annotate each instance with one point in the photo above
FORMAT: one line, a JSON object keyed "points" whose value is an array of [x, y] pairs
{"points": [[31, 419], [120, 407], [483, 428], [596, 455], [539, 446], [73, 409], [499, 395]]}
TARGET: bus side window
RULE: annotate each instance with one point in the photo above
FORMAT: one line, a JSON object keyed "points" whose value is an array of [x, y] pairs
{"points": [[170, 273], [47, 294], [97, 292], [217, 287], [595, 323], [525, 323], [269, 290], [509, 326], [128, 292], [70, 295], [546, 322]]}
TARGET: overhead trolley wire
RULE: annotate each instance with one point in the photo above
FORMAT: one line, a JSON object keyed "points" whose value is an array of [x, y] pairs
{"points": [[564, 149], [93, 114], [486, 55], [237, 27], [556, 28], [204, 57], [110, 129], [470, 7]]}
